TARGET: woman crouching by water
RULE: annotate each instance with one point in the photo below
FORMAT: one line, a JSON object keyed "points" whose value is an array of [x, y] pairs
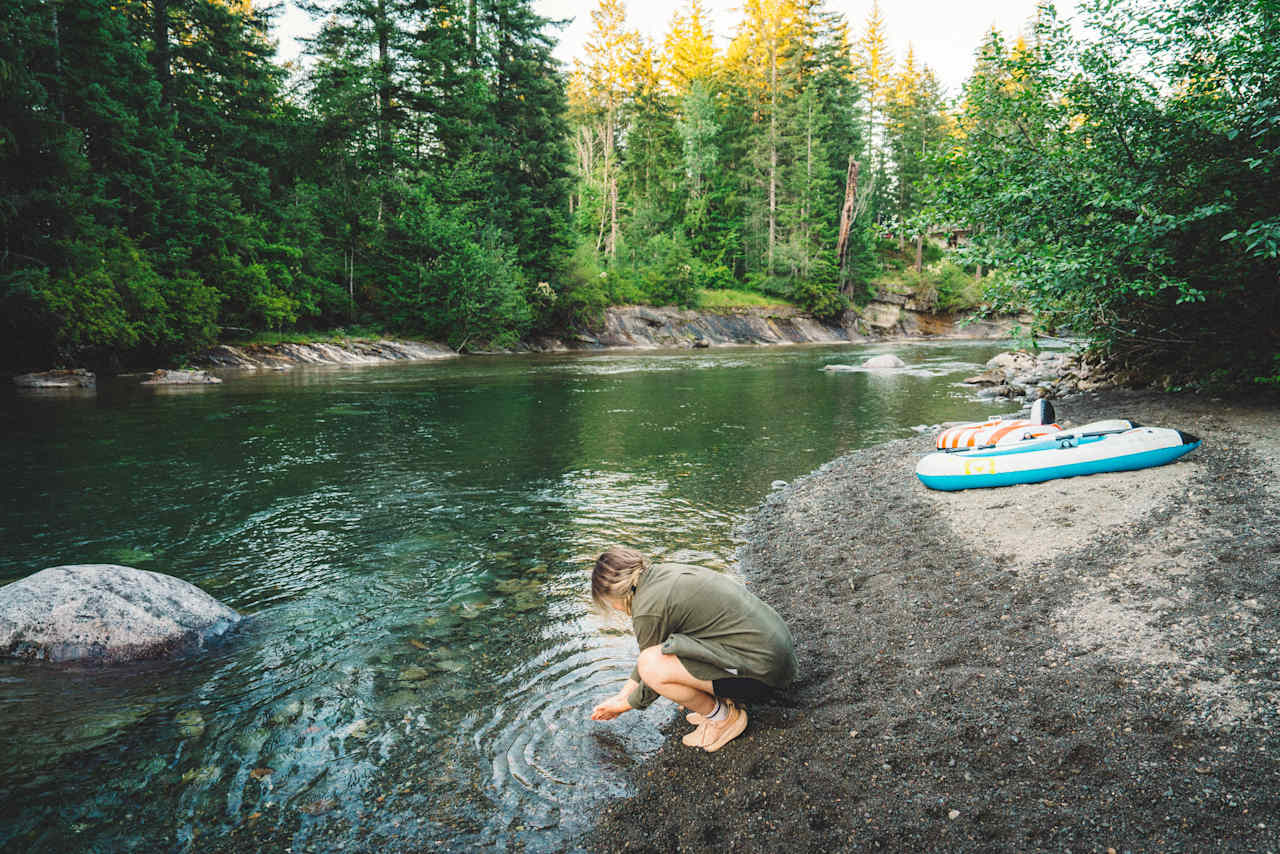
{"points": [[705, 641]]}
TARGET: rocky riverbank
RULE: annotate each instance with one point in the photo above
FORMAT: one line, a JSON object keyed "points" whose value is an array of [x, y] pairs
{"points": [[1089, 664], [623, 327], [886, 317], [353, 351]]}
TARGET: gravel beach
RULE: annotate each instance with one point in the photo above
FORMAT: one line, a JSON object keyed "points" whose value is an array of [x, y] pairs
{"points": [[1079, 665]]}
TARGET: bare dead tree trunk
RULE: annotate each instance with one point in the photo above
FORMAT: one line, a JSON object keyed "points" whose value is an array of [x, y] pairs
{"points": [[773, 149], [846, 212], [613, 216], [808, 176], [471, 35], [610, 183], [160, 35], [919, 253], [55, 85]]}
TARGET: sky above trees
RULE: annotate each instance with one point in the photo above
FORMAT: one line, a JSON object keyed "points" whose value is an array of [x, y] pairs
{"points": [[944, 33]]}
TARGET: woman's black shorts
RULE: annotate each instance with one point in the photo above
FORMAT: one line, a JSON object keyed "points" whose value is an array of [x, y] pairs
{"points": [[741, 688]]}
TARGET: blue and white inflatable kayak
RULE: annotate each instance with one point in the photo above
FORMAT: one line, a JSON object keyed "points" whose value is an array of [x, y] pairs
{"points": [[1087, 450]]}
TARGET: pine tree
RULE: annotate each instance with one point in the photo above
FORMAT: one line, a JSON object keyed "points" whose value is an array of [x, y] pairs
{"points": [[688, 49], [530, 155], [605, 79], [916, 127], [874, 62], [763, 46]]}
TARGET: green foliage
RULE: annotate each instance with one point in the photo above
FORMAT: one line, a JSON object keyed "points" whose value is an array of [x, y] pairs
{"points": [[820, 295], [1273, 377], [159, 184], [736, 172], [445, 277], [584, 297], [945, 287], [1127, 181], [661, 271], [668, 278], [712, 276]]}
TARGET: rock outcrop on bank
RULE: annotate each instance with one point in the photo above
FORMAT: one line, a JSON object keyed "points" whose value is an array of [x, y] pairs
{"points": [[1078, 665], [348, 352], [657, 327], [105, 613]]}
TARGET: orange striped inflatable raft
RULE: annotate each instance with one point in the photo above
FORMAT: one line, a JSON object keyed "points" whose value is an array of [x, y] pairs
{"points": [[990, 432], [996, 429]]}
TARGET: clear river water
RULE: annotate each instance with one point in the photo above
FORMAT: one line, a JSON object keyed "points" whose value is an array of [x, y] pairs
{"points": [[410, 544]]}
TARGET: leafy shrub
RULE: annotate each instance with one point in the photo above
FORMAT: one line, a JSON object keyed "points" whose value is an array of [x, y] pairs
{"points": [[584, 295], [820, 293], [957, 289], [668, 278], [713, 277]]}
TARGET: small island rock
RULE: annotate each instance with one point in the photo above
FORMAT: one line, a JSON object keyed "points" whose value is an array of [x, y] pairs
{"points": [[106, 613], [168, 377], [76, 378], [885, 360]]}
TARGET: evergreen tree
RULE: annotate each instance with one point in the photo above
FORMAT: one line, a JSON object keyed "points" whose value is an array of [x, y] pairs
{"points": [[605, 80], [915, 131], [93, 178], [530, 153], [688, 50], [874, 62]]}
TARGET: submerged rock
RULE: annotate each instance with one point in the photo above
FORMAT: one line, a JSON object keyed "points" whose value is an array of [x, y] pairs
{"points": [[190, 723], [106, 613]]}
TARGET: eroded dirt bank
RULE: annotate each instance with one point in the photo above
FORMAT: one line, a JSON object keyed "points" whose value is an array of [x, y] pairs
{"points": [[1079, 665]]}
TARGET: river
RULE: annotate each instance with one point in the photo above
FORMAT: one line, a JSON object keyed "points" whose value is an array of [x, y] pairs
{"points": [[410, 543]]}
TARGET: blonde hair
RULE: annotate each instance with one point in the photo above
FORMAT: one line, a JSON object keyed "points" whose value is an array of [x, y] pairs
{"points": [[615, 575]]}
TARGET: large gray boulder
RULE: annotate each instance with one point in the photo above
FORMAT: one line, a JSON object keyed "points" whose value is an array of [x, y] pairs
{"points": [[106, 613]]}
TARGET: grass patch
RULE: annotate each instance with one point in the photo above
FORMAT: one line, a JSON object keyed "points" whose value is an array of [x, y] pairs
{"points": [[729, 298]]}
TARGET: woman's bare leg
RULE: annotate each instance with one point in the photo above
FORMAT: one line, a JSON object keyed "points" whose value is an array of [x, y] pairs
{"points": [[666, 675]]}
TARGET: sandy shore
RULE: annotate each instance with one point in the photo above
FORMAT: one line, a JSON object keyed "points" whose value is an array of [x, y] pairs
{"points": [[1080, 665]]}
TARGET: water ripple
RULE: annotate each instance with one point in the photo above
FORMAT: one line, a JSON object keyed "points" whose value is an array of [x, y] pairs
{"points": [[411, 546]]}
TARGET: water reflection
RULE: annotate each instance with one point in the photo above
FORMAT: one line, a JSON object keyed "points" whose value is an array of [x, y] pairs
{"points": [[410, 543]]}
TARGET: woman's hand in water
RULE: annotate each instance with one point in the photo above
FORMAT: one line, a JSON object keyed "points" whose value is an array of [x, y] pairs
{"points": [[610, 709]]}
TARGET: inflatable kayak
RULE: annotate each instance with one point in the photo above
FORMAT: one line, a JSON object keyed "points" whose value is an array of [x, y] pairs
{"points": [[1088, 450], [1000, 429]]}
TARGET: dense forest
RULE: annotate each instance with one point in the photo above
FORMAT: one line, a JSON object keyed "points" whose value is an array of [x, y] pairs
{"points": [[430, 170]]}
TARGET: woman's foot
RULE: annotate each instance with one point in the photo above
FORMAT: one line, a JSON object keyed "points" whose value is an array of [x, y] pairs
{"points": [[694, 738], [713, 735], [690, 739]]}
